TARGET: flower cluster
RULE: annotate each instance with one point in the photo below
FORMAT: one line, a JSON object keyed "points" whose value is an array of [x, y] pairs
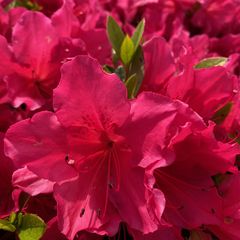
{"points": [[120, 119]]}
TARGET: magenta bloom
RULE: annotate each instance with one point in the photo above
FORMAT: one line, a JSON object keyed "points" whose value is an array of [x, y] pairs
{"points": [[191, 198], [32, 72], [159, 68], [30, 183], [96, 147], [230, 222], [205, 90], [217, 18], [64, 20]]}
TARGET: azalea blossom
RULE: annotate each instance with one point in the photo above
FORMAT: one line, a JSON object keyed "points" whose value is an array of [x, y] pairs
{"points": [[31, 73], [88, 149], [205, 90], [119, 119]]}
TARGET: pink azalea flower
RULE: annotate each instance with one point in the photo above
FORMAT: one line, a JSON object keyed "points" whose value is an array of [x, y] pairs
{"points": [[230, 224], [32, 72], [95, 40], [30, 183], [64, 20], [225, 45], [159, 68], [90, 14], [95, 145], [217, 18], [97, 45], [163, 18], [203, 95], [37, 191], [191, 197], [184, 82]]}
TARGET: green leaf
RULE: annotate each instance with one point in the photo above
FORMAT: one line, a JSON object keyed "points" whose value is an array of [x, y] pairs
{"points": [[127, 50], [7, 226], [131, 84], [19, 219], [32, 227], [115, 57], [115, 34], [222, 113], [137, 35], [211, 62], [137, 67], [12, 217]]}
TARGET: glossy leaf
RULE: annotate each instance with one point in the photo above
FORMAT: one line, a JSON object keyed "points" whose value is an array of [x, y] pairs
{"points": [[32, 227], [211, 62], [137, 67], [115, 34], [131, 85], [137, 35], [127, 50], [7, 226], [12, 217]]}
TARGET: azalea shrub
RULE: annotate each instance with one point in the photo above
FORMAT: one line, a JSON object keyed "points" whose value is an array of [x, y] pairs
{"points": [[120, 120]]}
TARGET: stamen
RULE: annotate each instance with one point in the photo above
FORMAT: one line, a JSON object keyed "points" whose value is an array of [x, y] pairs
{"points": [[117, 167], [92, 183], [108, 179], [87, 159]]}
